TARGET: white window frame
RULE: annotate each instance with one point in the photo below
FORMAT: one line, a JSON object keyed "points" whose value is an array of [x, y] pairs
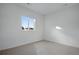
{"points": [[29, 29]]}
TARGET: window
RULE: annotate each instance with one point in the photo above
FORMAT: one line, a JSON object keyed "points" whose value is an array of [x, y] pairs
{"points": [[27, 23]]}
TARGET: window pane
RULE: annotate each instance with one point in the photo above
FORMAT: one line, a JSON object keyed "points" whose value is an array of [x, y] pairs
{"points": [[24, 21], [31, 23], [27, 23]]}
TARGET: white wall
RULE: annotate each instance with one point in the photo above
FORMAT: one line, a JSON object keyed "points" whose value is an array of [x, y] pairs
{"points": [[11, 34], [68, 19]]}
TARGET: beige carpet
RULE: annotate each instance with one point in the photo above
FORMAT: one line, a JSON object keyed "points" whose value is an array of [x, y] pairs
{"points": [[42, 48]]}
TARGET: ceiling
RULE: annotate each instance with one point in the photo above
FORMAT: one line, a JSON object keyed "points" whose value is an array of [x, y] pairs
{"points": [[46, 8]]}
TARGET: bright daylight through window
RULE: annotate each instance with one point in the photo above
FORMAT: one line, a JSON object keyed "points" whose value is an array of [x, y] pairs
{"points": [[27, 23]]}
